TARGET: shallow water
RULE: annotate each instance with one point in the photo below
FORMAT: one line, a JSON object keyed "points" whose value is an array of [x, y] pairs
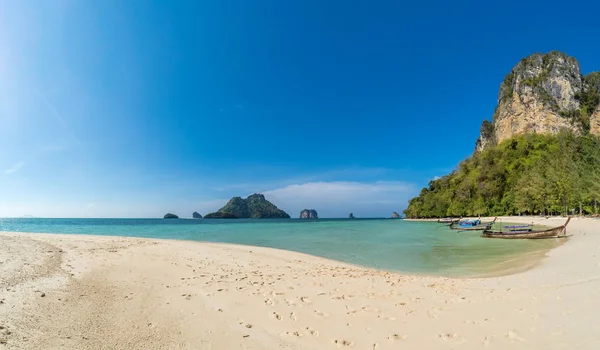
{"points": [[396, 245]]}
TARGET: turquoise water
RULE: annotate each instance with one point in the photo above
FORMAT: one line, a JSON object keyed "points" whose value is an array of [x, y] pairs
{"points": [[396, 245]]}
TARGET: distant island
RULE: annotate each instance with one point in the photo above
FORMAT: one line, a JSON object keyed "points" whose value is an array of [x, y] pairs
{"points": [[170, 216], [196, 215], [253, 207], [540, 153], [220, 215], [309, 214], [395, 215], [351, 216]]}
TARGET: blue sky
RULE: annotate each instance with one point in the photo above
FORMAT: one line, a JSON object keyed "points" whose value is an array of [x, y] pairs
{"points": [[133, 108]]}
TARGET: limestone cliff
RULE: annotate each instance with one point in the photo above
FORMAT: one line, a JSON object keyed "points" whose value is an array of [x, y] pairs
{"points": [[592, 82], [595, 122], [543, 94]]}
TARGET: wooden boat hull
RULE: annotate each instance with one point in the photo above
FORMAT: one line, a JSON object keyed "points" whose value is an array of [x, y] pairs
{"points": [[472, 228], [550, 233], [447, 221]]}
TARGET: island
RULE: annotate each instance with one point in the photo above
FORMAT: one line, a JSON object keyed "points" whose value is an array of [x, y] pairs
{"points": [[170, 216], [220, 215], [309, 214], [351, 216], [253, 207], [395, 215], [196, 215]]}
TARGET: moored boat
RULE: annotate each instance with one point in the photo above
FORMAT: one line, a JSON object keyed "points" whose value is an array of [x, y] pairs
{"points": [[475, 225], [528, 233], [448, 221]]}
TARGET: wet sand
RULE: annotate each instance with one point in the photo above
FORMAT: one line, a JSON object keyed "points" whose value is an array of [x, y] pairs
{"points": [[92, 292]]}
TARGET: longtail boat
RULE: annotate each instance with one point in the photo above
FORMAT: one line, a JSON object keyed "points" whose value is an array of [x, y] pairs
{"points": [[529, 234], [448, 221], [473, 226]]}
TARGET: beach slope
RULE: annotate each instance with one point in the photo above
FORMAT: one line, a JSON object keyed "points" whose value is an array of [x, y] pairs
{"points": [[92, 292]]}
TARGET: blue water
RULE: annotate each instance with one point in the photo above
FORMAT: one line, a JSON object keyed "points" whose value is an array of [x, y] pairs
{"points": [[396, 245]]}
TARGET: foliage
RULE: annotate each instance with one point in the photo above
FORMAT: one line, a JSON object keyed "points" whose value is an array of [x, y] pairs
{"points": [[254, 207], [529, 173], [220, 215]]}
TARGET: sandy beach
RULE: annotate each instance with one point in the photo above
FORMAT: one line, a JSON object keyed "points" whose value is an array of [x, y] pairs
{"points": [[97, 292]]}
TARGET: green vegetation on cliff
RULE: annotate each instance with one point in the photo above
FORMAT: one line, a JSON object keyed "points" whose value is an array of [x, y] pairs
{"points": [[253, 207], [528, 174]]}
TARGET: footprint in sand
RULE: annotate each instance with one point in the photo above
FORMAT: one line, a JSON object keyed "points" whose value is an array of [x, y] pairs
{"points": [[269, 302], [297, 334], [277, 316], [312, 332], [293, 316], [305, 300], [368, 308], [487, 341], [396, 336], [450, 336], [514, 336], [290, 303], [248, 325], [341, 342], [321, 313]]}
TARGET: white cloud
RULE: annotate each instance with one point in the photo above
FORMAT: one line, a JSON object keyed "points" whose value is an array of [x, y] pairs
{"points": [[338, 198], [13, 169]]}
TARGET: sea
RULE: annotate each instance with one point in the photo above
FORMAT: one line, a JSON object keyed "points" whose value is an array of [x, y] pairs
{"points": [[423, 248]]}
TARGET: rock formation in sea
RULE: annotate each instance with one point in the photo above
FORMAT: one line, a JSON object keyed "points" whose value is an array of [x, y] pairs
{"points": [[309, 214], [196, 215], [254, 207], [351, 216], [395, 215], [543, 94], [220, 215], [170, 216]]}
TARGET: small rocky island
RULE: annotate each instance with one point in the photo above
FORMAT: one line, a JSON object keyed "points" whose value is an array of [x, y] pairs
{"points": [[170, 216], [196, 215], [395, 215], [351, 216], [253, 207], [309, 214]]}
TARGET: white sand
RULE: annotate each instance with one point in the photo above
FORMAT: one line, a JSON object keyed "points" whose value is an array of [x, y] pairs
{"points": [[90, 292]]}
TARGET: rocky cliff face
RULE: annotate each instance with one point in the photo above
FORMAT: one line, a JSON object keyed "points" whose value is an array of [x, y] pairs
{"points": [[592, 82], [309, 214], [595, 122], [196, 215], [543, 93]]}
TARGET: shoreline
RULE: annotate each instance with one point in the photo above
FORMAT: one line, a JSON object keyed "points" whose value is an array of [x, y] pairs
{"points": [[103, 292], [517, 264]]}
